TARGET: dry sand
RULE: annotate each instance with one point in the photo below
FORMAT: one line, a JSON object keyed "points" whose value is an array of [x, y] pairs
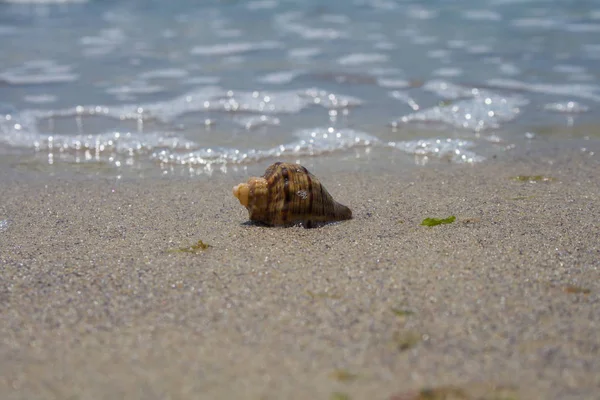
{"points": [[501, 304]]}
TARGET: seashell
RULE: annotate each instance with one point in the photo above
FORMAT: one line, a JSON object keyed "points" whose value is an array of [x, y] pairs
{"points": [[288, 194]]}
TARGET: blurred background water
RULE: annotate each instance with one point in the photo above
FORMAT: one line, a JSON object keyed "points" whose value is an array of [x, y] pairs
{"points": [[197, 86]]}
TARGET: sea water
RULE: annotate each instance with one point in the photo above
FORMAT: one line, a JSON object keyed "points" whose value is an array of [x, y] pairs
{"points": [[157, 85]]}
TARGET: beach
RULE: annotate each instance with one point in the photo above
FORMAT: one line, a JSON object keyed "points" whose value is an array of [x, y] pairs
{"points": [[102, 297], [128, 270]]}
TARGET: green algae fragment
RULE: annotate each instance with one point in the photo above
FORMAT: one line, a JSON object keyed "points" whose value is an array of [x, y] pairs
{"points": [[194, 248], [406, 340], [438, 221], [401, 312], [343, 375], [463, 392], [532, 178], [339, 396], [443, 393], [572, 289], [322, 295]]}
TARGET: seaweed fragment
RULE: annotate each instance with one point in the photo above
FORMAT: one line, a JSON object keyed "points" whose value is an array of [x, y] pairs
{"points": [[440, 393], [443, 393], [467, 392], [438, 221], [533, 178], [404, 340], [194, 248], [343, 375], [323, 295], [572, 289], [400, 312]]}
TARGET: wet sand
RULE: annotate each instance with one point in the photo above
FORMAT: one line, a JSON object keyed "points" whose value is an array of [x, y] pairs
{"points": [[505, 301]]}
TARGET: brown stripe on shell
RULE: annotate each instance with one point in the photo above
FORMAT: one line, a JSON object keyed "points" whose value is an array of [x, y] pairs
{"points": [[309, 189], [285, 173]]}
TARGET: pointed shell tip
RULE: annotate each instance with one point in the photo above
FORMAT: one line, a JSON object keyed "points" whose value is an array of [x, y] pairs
{"points": [[241, 192]]}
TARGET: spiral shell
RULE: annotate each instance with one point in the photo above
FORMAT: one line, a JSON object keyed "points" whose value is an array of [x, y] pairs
{"points": [[288, 194]]}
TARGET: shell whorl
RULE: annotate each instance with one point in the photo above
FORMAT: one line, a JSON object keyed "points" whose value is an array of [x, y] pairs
{"points": [[288, 194]]}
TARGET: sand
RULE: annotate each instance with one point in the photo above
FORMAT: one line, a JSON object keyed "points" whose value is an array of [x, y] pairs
{"points": [[504, 303]]}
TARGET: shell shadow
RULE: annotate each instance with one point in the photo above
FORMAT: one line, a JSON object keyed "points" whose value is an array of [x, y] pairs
{"points": [[305, 225]]}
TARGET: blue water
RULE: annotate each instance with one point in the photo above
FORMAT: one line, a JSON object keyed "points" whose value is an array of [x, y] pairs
{"points": [[157, 84]]}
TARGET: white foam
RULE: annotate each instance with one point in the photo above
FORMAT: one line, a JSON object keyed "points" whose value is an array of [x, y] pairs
{"points": [[456, 150], [234, 48], [448, 90], [384, 71], [405, 98], [104, 43], [420, 12], [314, 142], [569, 69], [256, 121], [135, 87], [310, 142], [588, 92], [167, 73], [22, 128], [286, 102], [448, 72], [40, 98], [110, 146], [288, 22], [483, 111], [537, 23], [330, 100], [36, 72], [362, 58], [279, 78], [385, 45], [4, 223], [478, 49], [509, 69], [482, 15], [568, 107], [385, 5], [44, 1], [304, 52], [261, 4], [583, 28], [439, 53], [393, 83]]}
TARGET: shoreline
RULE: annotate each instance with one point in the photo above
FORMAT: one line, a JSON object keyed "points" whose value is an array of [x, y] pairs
{"points": [[507, 297], [545, 141]]}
